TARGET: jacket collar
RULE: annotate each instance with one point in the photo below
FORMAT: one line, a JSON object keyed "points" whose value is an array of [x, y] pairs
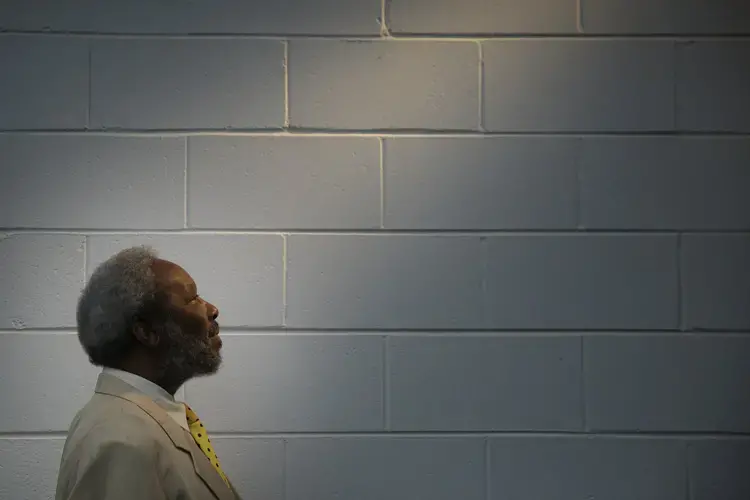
{"points": [[161, 397], [113, 386]]}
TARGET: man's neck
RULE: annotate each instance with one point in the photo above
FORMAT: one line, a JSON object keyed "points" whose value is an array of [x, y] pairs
{"points": [[147, 372]]}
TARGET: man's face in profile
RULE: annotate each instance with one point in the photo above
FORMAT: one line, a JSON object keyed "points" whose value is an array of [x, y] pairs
{"points": [[189, 334]]}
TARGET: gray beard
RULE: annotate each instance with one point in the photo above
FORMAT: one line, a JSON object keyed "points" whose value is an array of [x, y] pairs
{"points": [[186, 356]]}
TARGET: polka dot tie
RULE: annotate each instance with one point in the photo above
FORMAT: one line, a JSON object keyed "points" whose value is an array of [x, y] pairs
{"points": [[201, 438]]}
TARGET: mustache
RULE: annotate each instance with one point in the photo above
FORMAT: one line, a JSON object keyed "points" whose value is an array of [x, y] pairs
{"points": [[214, 328]]}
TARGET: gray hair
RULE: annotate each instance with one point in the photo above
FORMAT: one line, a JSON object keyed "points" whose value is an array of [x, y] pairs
{"points": [[119, 288]]}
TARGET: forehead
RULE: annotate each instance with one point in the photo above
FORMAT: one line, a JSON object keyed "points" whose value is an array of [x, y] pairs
{"points": [[172, 277]]}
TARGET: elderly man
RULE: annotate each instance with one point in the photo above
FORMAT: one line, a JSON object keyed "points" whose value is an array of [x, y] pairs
{"points": [[141, 319]]}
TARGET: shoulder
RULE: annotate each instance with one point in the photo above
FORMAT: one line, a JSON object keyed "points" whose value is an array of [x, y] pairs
{"points": [[109, 422], [114, 450]]}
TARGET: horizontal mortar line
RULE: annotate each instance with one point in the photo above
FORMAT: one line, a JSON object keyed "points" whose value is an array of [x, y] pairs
{"points": [[487, 332], [392, 37], [520, 36], [682, 435], [447, 233], [261, 331], [39, 435], [189, 36], [488, 434], [63, 330], [365, 133]]}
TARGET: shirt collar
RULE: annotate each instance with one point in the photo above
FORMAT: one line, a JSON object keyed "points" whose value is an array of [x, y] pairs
{"points": [[161, 397]]}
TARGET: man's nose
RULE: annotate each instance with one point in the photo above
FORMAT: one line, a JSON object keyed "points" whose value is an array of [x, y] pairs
{"points": [[213, 312]]}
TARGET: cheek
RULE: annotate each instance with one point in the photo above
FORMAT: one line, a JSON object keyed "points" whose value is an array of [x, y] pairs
{"points": [[195, 322]]}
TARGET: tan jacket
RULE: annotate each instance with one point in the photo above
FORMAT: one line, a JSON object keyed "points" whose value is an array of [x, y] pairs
{"points": [[123, 446]]}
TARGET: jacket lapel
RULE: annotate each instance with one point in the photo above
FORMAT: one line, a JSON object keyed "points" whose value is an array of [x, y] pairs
{"points": [[111, 385]]}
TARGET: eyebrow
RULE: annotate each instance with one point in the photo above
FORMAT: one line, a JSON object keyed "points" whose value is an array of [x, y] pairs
{"points": [[190, 290]]}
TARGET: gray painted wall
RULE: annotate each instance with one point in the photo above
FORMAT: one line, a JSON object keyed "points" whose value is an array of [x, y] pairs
{"points": [[463, 250]]}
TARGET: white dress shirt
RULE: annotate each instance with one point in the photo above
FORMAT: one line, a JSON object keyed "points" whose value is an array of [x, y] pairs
{"points": [[165, 400]]}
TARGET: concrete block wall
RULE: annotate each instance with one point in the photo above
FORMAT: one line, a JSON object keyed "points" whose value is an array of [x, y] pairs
{"points": [[462, 249]]}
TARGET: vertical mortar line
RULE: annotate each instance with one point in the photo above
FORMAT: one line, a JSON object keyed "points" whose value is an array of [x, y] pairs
{"points": [[680, 308], [480, 98], [381, 142], [484, 263], [85, 256], [487, 469], [582, 368], [579, 16], [384, 12], [88, 104], [675, 57], [185, 187], [285, 463], [386, 386], [284, 273], [286, 84], [688, 489], [578, 184]]}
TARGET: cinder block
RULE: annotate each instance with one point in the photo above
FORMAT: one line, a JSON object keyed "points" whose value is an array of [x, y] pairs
{"points": [[254, 465], [340, 84], [46, 378], [64, 181], [480, 16], [239, 274], [284, 182], [665, 17], [294, 383], [715, 281], [466, 383], [667, 383], [375, 468], [293, 17], [41, 276], [383, 281], [665, 183], [44, 83], [616, 281], [587, 467], [712, 83], [187, 84], [718, 468], [578, 85], [481, 183], [29, 467]]}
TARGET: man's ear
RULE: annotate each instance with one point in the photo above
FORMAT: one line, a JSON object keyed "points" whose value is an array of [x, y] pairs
{"points": [[144, 334]]}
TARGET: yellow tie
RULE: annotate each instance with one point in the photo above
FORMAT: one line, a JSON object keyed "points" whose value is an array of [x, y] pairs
{"points": [[201, 438]]}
